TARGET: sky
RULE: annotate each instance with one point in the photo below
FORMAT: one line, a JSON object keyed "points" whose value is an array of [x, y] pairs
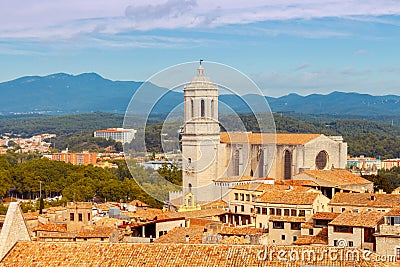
{"points": [[285, 46]]}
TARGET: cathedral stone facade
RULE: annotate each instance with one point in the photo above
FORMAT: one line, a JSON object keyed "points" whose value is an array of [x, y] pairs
{"points": [[209, 155]]}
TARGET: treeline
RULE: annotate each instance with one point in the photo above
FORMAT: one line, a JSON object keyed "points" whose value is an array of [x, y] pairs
{"points": [[369, 138], [82, 183]]}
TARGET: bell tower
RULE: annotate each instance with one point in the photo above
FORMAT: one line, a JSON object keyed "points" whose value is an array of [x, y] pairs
{"points": [[200, 136]]}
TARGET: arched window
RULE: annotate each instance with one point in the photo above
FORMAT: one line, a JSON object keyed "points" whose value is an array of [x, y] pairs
{"points": [[202, 109], [191, 108], [321, 161], [287, 172], [261, 164], [251, 173], [236, 163], [212, 109]]}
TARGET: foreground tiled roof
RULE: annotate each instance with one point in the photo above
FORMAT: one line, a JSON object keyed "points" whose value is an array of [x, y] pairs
{"points": [[325, 215], [295, 196], [176, 255], [296, 182], [51, 227], [258, 138], [320, 239], [138, 203], [366, 200], [358, 219], [336, 176], [144, 214]]}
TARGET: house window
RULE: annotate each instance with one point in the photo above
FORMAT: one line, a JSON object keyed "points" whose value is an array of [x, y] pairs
{"points": [[236, 196], [295, 226], [278, 212], [294, 238], [253, 197], [283, 237], [369, 235], [242, 208], [271, 211], [247, 197], [293, 213], [72, 217], [342, 229], [242, 197], [286, 212], [258, 210], [310, 231], [321, 160], [235, 209], [302, 213], [80, 217], [343, 209], [350, 243], [278, 225], [260, 225], [191, 108], [88, 216], [264, 211], [212, 108]]}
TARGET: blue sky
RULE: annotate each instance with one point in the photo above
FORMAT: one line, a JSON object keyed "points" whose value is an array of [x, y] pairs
{"points": [[286, 46]]}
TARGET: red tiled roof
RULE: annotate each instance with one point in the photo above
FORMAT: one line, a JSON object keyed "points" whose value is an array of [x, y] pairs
{"points": [[296, 196], [358, 219], [336, 176], [157, 255], [366, 200], [258, 138], [51, 227], [96, 232], [240, 231], [320, 239], [325, 215]]}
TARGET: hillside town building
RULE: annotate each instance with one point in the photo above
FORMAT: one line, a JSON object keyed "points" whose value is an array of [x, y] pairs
{"points": [[118, 134]]}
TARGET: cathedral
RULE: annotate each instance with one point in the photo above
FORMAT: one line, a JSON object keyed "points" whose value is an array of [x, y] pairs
{"points": [[213, 160]]}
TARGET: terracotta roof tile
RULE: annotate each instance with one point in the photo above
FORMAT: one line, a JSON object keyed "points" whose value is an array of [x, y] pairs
{"points": [[296, 182], [325, 215], [219, 203], [235, 240], [139, 203], [320, 239], [274, 218], [178, 235], [307, 225], [157, 255], [366, 200], [336, 176], [358, 219], [96, 232], [258, 138], [241, 231], [296, 196], [51, 227], [393, 212]]}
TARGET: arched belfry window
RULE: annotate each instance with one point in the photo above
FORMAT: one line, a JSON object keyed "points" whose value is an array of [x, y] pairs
{"points": [[287, 172], [191, 108], [202, 109], [212, 108], [236, 163]]}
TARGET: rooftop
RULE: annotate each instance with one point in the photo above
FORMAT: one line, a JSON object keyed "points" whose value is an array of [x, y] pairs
{"points": [[325, 215], [96, 232], [265, 138], [293, 196], [154, 255], [336, 176], [51, 227], [320, 239], [366, 200], [358, 219]]}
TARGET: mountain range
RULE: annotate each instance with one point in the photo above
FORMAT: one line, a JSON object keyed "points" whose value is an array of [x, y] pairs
{"points": [[64, 93]]}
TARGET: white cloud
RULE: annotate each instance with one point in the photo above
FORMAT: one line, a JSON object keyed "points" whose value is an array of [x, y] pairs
{"points": [[49, 18]]}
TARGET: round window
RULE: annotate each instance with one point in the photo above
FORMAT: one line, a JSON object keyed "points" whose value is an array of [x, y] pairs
{"points": [[321, 160]]}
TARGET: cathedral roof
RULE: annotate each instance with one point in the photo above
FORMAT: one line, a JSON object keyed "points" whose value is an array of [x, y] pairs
{"points": [[265, 138]]}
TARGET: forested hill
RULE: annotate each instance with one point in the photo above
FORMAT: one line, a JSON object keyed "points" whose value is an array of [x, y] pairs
{"points": [[63, 93], [365, 137]]}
